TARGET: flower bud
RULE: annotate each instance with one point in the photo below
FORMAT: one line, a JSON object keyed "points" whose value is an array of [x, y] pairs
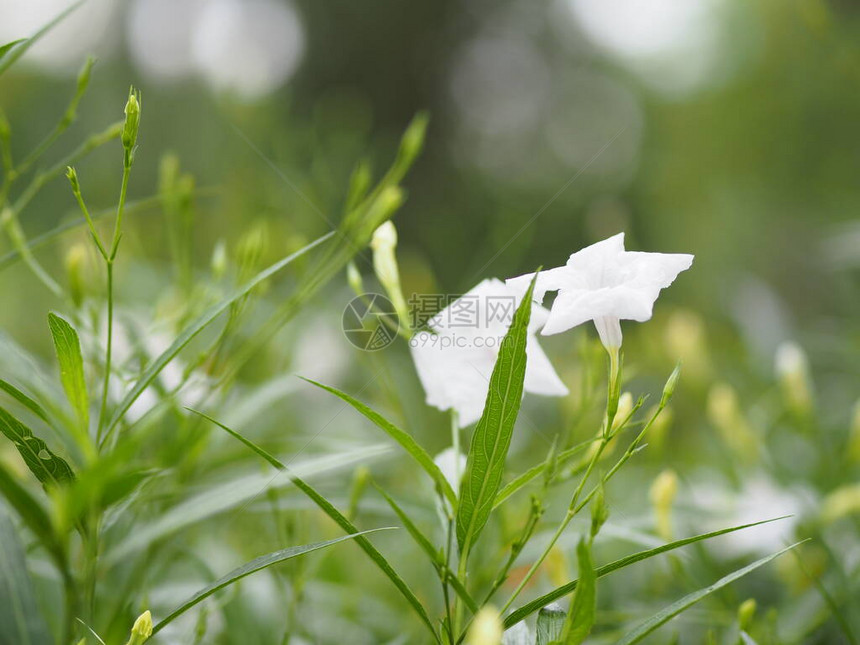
{"points": [[792, 369], [599, 512], [76, 261], [550, 623], [413, 139], [353, 278], [218, 263], [486, 628], [132, 120], [251, 248], [746, 613], [669, 388], [141, 630], [72, 176], [842, 502], [663, 492], [384, 244], [724, 412]]}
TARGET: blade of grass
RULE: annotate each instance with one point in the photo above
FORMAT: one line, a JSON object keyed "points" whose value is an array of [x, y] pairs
{"points": [[689, 600], [341, 521], [492, 437], [207, 317], [403, 438], [257, 564], [420, 539], [24, 400], [5, 48], [580, 617], [559, 592]]}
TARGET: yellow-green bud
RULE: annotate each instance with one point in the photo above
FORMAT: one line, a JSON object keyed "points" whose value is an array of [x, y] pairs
{"points": [[486, 628], [842, 502], [353, 278], [746, 613], [384, 245], [599, 512], [218, 263], [413, 139], [72, 175], [141, 630], [76, 260], [792, 370], [251, 248], [669, 388], [662, 493], [132, 120], [384, 206], [725, 413]]}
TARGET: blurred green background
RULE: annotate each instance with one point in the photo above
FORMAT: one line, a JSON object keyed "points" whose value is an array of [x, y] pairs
{"points": [[724, 128]]}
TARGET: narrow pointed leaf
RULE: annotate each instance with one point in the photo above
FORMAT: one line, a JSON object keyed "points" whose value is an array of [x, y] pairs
{"points": [[68, 348], [19, 51], [21, 621], [559, 592], [24, 400], [44, 464], [420, 539], [257, 564], [400, 436], [580, 617], [205, 319], [28, 508], [5, 48], [492, 438], [341, 520], [689, 600]]}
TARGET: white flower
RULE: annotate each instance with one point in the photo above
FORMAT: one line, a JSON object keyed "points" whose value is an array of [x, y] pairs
{"points": [[452, 465], [455, 363], [606, 284]]}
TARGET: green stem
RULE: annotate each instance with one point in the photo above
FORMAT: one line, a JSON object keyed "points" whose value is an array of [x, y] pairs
{"points": [[613, 391], [108, 350]]}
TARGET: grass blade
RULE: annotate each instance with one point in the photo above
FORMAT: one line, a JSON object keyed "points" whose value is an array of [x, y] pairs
{"points": [[606, 569], [420, 539], [345, 524], [580, 618], [45, 465], [400, 436], [257, 564], [22, 48], [492, 438], [21, 622], [68, 347], [5, 48], [24, 400], [207, 317], [689, 600]]}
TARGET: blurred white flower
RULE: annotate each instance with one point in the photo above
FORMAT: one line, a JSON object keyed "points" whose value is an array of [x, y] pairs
{"points": [[455, 363], [519, 634], [452, 466], [606, 284]]}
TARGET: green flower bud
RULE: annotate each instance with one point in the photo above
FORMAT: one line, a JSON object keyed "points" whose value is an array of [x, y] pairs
{"points": [[353, 278], [746, 613], [669, 388], [599, 512], [486, 628], [141, 630], [76, 261], [550, 623], [132, 121], [72, 175], [662, 493], [219, 262], [413, 139], [792, 369], [384, 244]]}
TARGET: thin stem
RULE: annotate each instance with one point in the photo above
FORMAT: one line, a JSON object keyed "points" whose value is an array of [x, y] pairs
{"points": [[108, 350], [613, 390], [117, 229]]}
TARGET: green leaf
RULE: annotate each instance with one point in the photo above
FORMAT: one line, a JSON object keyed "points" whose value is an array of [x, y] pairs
{"points": [[45, 465], [492, 438], [550, 624], [7, 61], [580, 618], [257, 564], [28, 508], [24, 400], [207, 317], [400, 436], [689, 600], [420, 539], [606, 569], [21, 622], [5, 48], [341, 520], [68, 347], [217, 499]]}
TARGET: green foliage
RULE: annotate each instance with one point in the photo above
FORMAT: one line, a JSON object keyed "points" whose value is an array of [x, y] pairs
{"points": [[44, 464], [68, 348], [582, 612], [492, 438]]}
